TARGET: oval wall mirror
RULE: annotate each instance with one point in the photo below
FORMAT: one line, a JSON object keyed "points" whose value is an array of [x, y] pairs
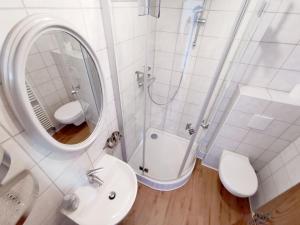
{"points": [[53, 82]]}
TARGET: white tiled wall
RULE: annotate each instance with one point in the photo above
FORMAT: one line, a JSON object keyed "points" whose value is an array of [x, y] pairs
{"points": [[166, 45], [278, 175], [259, 125], [57, 172], [266, 57], [173, 33], [130, 35]]}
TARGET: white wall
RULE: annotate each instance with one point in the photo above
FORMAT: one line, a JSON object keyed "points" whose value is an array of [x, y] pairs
{"points": [[279, 175], [267, 57], [259, 125], [173, 33], [57, 172], [130, 36], [166, 42]]}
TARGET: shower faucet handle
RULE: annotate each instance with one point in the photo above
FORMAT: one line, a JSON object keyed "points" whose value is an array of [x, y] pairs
{"points": [[188, 126], [74, 92], [75, 89], [140, 78], [200, 20]]}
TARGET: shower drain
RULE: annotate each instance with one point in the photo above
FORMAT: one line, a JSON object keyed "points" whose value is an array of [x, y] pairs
{"points": [[154, 136]]}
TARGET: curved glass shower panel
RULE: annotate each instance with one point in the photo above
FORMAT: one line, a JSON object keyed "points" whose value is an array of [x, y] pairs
{"points": [[233, 46], [131, 31], [143, 78], [242, 71], [236, 65], [165, 67], [172, 57]]}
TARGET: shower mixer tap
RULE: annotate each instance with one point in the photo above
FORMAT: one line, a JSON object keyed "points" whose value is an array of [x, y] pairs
{"points": [[75, 89], [140, 77]]}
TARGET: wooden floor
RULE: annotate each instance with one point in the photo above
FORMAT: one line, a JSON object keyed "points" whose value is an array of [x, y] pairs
{"points": [[71, 134], [202, 201], [284, 209]]}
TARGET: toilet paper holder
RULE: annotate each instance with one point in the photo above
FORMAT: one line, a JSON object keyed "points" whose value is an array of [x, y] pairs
{"points": [[113, 140]]}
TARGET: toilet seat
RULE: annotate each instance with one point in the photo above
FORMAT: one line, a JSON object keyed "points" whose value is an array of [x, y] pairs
{"points": [[69, 112], [237, 174]]}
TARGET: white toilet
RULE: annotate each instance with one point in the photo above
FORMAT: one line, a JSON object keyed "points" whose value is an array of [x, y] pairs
{"points": [[71, 113], [237, 174]]}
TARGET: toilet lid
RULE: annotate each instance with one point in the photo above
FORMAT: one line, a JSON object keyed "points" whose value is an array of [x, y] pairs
{"points": [[237, 174], [69, 110]]}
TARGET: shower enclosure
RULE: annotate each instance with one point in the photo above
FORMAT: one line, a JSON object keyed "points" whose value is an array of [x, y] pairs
{"points": [[165, 81]]}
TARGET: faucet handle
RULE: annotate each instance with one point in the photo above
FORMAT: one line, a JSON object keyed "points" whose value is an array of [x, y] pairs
{"points": [[188, 126], [76, 87], [92, 171]]}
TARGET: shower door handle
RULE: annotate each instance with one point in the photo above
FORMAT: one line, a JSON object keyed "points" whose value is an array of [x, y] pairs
{"points": [[199, 21]]}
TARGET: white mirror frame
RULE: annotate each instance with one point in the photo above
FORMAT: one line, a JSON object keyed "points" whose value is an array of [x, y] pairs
{"points": [[14, 55]]}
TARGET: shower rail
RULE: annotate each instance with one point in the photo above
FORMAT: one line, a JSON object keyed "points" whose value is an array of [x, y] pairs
{"points": [[214, 82]]}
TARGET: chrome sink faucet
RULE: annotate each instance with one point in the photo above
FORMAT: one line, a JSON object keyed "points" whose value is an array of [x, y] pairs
{"points": [[93, 178]]}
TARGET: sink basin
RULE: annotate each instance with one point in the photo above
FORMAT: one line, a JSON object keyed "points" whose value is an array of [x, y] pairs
{"points": [[95, 206]]}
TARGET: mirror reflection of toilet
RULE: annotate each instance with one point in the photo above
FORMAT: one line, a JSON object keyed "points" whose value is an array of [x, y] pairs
{"points": [[237, 174], [71, 113]]}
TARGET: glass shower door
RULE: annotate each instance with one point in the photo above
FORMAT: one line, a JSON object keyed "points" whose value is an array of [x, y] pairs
{"points": [[164, 83], [169, 95]]}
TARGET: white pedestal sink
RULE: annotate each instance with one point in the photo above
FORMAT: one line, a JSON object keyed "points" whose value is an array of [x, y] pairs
{"points": [[95, 207]]}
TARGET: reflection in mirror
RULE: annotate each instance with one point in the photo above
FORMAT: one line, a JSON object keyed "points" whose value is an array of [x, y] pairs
{"points": [[63, 87]]}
